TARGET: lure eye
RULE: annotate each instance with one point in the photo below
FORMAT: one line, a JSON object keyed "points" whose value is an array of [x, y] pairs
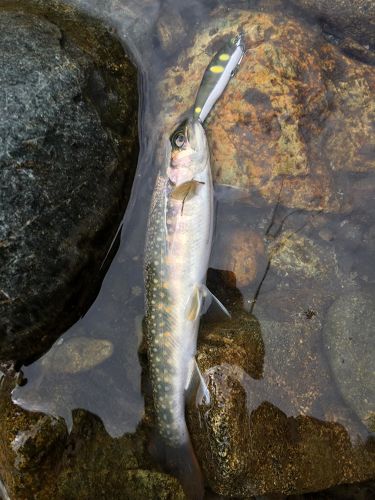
{"points": [[179, 140]]}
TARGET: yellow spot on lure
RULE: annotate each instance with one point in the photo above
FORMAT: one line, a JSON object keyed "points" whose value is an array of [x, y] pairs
{"points": [[217, 69]]}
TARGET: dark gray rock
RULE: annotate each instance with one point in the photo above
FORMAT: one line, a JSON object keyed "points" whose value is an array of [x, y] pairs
{"points": [[350, 342], [351, 18], [68, 140]]}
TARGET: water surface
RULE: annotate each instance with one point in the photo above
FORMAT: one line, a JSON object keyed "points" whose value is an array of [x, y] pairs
{"points": [[305, 261]]}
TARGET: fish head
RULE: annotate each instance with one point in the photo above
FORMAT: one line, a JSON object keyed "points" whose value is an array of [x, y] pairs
{"points": [[189, 153]]}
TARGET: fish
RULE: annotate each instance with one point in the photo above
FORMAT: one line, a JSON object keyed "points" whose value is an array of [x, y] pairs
{"points": [[177, 252], [179, 240]]}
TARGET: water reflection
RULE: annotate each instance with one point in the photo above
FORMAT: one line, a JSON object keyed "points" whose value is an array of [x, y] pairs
{"points": [[291, 260]]}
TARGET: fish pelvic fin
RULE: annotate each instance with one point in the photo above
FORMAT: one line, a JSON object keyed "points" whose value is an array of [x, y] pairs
{"points": [[209, 299], [200, 301]]}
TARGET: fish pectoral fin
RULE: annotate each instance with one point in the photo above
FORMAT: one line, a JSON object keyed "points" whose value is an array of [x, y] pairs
{"points": [[194, 304], [196, 382], [208, 299], [186, 190]]}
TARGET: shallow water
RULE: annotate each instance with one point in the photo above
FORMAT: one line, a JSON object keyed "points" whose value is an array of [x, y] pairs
{"points": [[290, 293]]}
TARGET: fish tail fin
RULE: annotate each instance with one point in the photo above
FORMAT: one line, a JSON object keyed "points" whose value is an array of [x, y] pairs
{"points": [[181, 462]]}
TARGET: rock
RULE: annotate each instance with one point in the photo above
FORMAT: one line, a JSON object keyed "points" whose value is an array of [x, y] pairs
{"points": [[264, 430], [349, 492], [298, 256], [143, 484], [345, 17], [30, 442], [350, 343], [370, 237], [39, 458], [243, 253], [77, 354], [287, 128], [235, 341], [68, 140]]}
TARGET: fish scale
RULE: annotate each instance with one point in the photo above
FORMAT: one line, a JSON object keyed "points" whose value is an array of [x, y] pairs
{"points": [[171, 338]]}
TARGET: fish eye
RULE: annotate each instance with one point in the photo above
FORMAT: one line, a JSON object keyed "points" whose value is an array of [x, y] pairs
{"points": [[179, 140]]}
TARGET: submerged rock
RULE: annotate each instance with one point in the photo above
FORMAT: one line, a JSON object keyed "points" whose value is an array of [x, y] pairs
{"points": [[243, 254], [267, 428], [77, 354], [68, 139], [299, 257], [344, 17], [40, 459], [287, 128], [350, 341]]}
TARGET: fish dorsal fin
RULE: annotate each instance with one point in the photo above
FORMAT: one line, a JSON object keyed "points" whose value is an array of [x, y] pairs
{"points": [[186, 190]]}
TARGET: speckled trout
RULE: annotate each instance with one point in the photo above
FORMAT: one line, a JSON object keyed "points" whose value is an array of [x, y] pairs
{"points": [[178, 247]]}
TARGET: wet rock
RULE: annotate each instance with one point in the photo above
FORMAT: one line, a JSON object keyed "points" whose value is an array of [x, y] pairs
{"points": [[133, 21], [295, 125], [243, 254], [350, 343], [77, 354], [370, 238], [141, 484], [170, 35], [31, 445], [301, 258], [227, 349], [345, 17], [38, 458], [68, 139], [260, 433], [236, 341]]}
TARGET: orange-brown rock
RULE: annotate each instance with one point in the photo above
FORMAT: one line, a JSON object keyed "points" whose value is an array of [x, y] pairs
{"points": [[244, 255], [297, 114]]}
